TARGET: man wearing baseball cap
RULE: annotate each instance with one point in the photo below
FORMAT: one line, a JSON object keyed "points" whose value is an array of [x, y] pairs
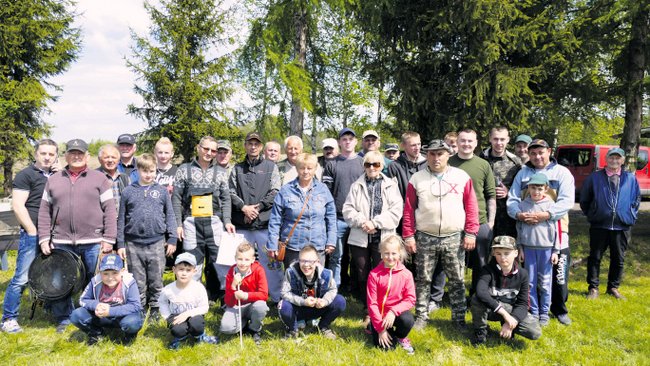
{"points": [[440, 222], [126, 145], [224, 155], [521, 147], [561, 185], [81, 200], [610, 199], [330, 149], [254, 182]]}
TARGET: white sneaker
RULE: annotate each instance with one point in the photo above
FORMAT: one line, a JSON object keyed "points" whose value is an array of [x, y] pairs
{"points": [[11, 326]]}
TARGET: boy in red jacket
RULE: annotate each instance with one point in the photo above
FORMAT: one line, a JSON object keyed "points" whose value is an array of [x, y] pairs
{"points": [[246, 282], [391, 296]]}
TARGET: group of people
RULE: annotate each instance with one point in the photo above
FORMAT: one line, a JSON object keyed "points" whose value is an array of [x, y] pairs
{"points": [[313, 226]]}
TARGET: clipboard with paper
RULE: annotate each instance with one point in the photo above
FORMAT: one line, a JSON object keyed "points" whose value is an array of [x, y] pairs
{"points": [[228, 248]]}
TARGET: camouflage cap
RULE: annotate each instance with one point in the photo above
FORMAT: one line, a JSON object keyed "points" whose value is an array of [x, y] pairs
{"points": [[223, 144], [504, 241]]}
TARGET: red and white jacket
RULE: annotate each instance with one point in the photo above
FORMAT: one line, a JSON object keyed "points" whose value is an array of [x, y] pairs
{"points": [[440, 206]]}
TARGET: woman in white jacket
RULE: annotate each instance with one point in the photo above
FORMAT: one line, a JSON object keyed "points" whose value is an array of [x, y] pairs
{"points": [[373, 210]]}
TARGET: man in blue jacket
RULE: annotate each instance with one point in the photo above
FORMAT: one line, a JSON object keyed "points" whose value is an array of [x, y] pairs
{"points": [[610, 199]]}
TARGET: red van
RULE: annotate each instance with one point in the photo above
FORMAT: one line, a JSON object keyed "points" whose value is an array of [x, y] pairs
{"points": [[583, 159]]}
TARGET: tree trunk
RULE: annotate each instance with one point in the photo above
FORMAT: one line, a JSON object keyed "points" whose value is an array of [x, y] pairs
{"points": [[7, 167], [297, 114], [636, 64]]}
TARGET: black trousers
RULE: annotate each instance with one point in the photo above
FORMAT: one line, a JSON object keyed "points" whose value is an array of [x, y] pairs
{"points": [[194, 326], [365, 259], [599, 241], [560, 285], [401, 328]]}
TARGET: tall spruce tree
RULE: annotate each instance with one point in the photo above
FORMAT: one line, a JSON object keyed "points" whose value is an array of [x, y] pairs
{"points": [[37, 41], [185, 83]]}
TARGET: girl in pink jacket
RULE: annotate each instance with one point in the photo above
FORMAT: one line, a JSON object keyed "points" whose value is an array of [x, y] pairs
{"points": [[391, 295]]}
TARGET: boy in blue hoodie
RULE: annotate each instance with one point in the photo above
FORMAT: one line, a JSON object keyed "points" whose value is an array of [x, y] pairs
{"points": [[145, 223], [111, 299]]}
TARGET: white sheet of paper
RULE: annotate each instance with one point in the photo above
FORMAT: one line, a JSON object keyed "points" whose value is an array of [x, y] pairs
{"points": [[228, 248]]}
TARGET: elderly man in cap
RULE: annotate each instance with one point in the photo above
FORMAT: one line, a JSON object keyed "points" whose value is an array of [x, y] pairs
{"points": [[440, 223], [293, 148], [330, 149], [224, 155], [610, 199], [108, 157], [81, 200], [272, 151], [562, 186], [127, 147], [338, 176], [254, 182], [521, 147], [202, 207]]}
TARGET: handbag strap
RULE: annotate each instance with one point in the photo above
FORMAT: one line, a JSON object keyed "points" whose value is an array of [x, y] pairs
{"points": [[299, 217]]}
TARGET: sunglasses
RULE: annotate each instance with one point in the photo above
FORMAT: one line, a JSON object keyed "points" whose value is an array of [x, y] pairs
{"points": [[374, 165], [207, 149]]}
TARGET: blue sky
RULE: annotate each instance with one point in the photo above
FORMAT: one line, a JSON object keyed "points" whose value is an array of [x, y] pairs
{"points": [[98, 87]]}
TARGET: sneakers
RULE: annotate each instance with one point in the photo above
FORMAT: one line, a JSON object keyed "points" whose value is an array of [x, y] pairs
{"points": [[257, 338], [302, 324], [543, 320], [129, 339], [62, 327], [433, 306], [154, 315], [291, 334], [420, 323], [175, 344], [93, 339], [480, 337], [564, 319], [204, 338], [593, 294], [328, 333], [11, 326], [405, 343], [614, 292]]}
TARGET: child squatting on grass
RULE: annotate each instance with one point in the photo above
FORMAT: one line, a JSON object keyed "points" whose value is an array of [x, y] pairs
{"points": [[502, 295], [538, 247], [246, 288], [111, 299], [309, 292], [391, 296], [184, 303]]}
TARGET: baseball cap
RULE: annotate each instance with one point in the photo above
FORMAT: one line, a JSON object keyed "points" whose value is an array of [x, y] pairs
{"points": [[538, 143], [253, 136], [391, 147], [615, 150], [188, 258], [523, 138], [223, 144], [126, 138], [76, 145], [538, 179], [111, 262], [329, 142], [367, 133], [504, 241], [438, 145], [347, 130]]}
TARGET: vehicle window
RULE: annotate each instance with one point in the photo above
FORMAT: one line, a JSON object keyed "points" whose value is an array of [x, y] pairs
{"points": [[575, 157], [641, 159]]}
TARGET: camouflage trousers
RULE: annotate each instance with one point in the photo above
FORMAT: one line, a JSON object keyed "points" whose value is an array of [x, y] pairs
{"points": [[449, 251]]}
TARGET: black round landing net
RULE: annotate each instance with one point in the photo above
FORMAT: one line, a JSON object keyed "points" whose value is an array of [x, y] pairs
{"points": [[57, 275]]}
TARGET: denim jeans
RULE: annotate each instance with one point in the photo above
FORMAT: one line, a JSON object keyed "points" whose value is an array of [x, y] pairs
{"points": [[27, 250], [91, 324], [61, 309], [537, 262], [290, 314], [342, 231]]}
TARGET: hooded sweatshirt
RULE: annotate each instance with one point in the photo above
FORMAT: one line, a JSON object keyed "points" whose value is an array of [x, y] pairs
{"points": [[389, 289]]}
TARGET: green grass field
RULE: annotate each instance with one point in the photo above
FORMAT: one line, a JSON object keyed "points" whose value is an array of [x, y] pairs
{"points": [[604, 332]]}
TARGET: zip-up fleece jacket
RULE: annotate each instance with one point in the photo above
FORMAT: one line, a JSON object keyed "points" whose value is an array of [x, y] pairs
{"points": [[356, 210], [146, 215], [398, 282], [294, 289], [494, 288], [440, 207], [90, 297], [254, 283], [87, 213], [251, 183], [541, 235], [596, 200]]}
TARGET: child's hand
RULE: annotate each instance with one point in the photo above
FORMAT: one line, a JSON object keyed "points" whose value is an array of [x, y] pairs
{"points": [[388, 321], [385, 340], [505, 332], [320, 303], [310, 301], [554, 258], [102, 310], [180, 318], [236, 280], [241, 295]]}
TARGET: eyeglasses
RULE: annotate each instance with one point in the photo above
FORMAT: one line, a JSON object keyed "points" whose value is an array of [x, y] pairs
{"points": [[374, 165], [307, 262], [207, 149]]}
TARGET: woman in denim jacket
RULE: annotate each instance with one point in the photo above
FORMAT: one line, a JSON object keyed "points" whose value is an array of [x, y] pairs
{"points": [[317, 226]]}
